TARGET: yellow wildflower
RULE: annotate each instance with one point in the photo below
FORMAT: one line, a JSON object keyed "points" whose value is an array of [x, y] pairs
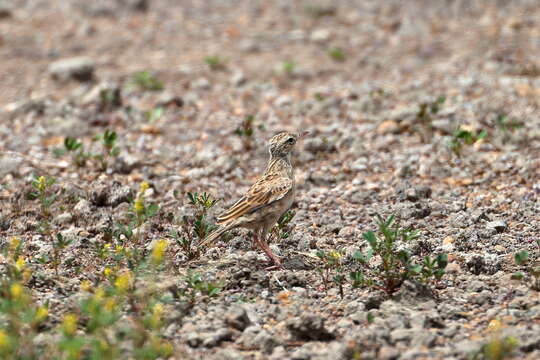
{"points": [[166, 349], [99, 294], [159, 250], [143, 187], [41, 183], [123, 281], [19, 264], [107, 246], [14, 243], [86, 285], [41, 313], [335, 254], [107, 271], [4, 341], [138, 206], [69, 324], [118, 249], [494, 325], [16, 291], [110, 304]]}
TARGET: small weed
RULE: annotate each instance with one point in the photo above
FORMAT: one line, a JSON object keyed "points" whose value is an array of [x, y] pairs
{"points": [[531, 271], [141, 211], [59, 244], [245, 131], [396, 265], [287, 67], [425, 114], [332, 270], [144, 80], [154, 114], [498, 348], [109, 99], [282, 230], [43, 192], [196, 286], [337, 54], [507, 125], [464, 137], [216, 62], [109, 148]]}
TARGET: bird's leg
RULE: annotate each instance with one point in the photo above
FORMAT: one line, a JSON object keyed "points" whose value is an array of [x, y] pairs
{"points": [[264, 246]]}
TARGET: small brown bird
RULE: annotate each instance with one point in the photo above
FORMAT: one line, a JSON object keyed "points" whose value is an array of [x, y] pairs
{"points": [[266, 200]]}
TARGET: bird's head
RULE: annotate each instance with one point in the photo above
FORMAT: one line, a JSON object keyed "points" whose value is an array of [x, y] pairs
{"points": [[283, 143]]}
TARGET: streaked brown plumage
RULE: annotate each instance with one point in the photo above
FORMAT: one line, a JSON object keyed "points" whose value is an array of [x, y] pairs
{"points": [[266, 200]]}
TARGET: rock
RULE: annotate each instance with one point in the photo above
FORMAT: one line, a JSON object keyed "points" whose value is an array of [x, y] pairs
{"points": [[401, 335], [79, 68], [265, 342], [309, 328], [201, 84], [283, 100], [498, 225], [237, 318], [388, 127], [6, 10], [317, 144], [217, 337], [388, 353], [82, 208], [63, 219], [110, 195], [238, 79], [125, 163], [169, 99], [320, 35]]}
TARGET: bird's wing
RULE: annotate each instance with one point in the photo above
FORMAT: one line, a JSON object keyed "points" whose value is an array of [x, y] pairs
{"points": [[267, 190]]}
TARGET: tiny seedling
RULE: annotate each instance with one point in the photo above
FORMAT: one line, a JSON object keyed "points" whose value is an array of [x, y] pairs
{"points": [[145, 81], [464, 137], [245, 131], [282, 230], [332, 269], [154, 114], [196, 286], [59, 244], [288, 67], [531, 268], [426, 113], [42, 186], [109, 99], [216, 62], [108, 141], [337, 54]]}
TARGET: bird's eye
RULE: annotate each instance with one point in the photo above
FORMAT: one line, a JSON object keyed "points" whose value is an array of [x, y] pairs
{"points": [[290, 140]]}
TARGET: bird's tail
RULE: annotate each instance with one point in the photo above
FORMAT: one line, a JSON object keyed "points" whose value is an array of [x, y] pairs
{"points": [[214, 235]]}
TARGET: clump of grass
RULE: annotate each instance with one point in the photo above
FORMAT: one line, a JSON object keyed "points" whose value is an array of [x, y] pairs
{"points": [[395, 265], [337, 54], [216, 62], [463, 137], [531, 269], [146, 81]]}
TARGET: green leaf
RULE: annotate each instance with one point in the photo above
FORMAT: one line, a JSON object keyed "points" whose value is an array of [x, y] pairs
{"points": [[371, 238], [442, 261], [415, 269], [370, 318], [521, 257], [518, 275]]}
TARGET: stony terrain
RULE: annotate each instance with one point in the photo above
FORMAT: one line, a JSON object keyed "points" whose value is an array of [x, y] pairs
{"points": [[381, 85]]}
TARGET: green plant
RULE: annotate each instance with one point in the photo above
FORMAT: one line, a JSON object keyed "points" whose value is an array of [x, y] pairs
{"points": [[288, 67], [245, 131], [395, 265], [109, 99], [463, 137], [507, 125], [196, 286], [425, 114], [531, 269], [498, 347], [43, 192], [108, 141], [154, 114], [281, 230], [332, 269], [216, 62], [140, 212], [194, 229], [337, 54], [144, 80]]}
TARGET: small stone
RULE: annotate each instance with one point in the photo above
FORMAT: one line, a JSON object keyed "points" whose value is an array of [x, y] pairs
{"points": [[238, 79], [388, 353], [308, 328], [63, 219], [320, 35], [388, 127], [125, 163], [82, 207], [201, 84], [237, 318], [79, 68], [283, 100], [498, 225]]}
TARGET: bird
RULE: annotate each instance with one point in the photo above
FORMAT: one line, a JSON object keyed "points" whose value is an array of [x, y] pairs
{"points": [[266, 200]]}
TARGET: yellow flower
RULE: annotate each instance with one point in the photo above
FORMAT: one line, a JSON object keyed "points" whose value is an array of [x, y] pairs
{"points": [[334, 254], [16, 291], [110, 304], [41, 314], [118, 249], [157, 311], [99, 294], [143, 187], [4, 341], [138, 206], [494, 325], [41, 183], [69, 324], [86, 285], [107, 272], [19, 264], [107, 246], [123, 281], [159, 250], [14, 243], [166, 349]]}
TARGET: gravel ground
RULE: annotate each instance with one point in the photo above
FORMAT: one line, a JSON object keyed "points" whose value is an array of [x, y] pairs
{"points": [[371, 151]]}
